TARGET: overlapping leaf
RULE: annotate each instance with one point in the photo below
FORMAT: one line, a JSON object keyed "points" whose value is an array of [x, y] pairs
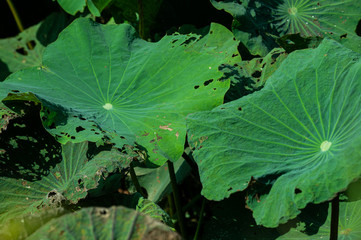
{"points": [[156, 181], [138, 89], [74, 6], [349, 225], [252, 74], [297, 137], [259, 22], [104, 223], [138, 13], [69, 181]]}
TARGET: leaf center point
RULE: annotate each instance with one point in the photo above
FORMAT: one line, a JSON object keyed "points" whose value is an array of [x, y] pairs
{"points": [[108, 106], [292, 11], [325, 145]]}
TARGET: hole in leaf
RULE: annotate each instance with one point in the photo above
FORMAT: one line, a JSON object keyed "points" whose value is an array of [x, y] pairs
{"points": [[297, 191], [103, 211], [343, 36], [234, 55], [144, 192], [22, 51], [230, 189], [256, 74], [31, 43], [51, 194], [211, 32], [189, 40], [81, 118], [206, 83], [122, 137], [358, 28], [79, 129], [79, 181], [196, 86], [72, 137], [240, 108], [214, 89]]}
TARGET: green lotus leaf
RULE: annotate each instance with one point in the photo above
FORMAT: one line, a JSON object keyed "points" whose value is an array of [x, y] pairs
{"points": [[140, 90], [150, 208], [259, 22], [74, 6], [297, 137], [156, 181], [23, 227], [70, 180], [16, 53], [104, 223]]}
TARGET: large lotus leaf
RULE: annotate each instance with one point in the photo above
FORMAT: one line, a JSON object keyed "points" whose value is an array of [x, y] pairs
{"points": [[104, 223], [15, 52], [259, 22], [138, 89], [68, 181], [298, 136]]}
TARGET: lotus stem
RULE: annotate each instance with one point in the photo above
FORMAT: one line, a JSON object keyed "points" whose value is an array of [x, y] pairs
{"points": [[135, 180], [171, 205], [141, 19], [17, 20], [200, 221], [176, 198], [335, 209]]}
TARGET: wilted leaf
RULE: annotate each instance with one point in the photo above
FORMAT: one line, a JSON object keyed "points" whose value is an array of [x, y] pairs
{"points": [[69, 181]]}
